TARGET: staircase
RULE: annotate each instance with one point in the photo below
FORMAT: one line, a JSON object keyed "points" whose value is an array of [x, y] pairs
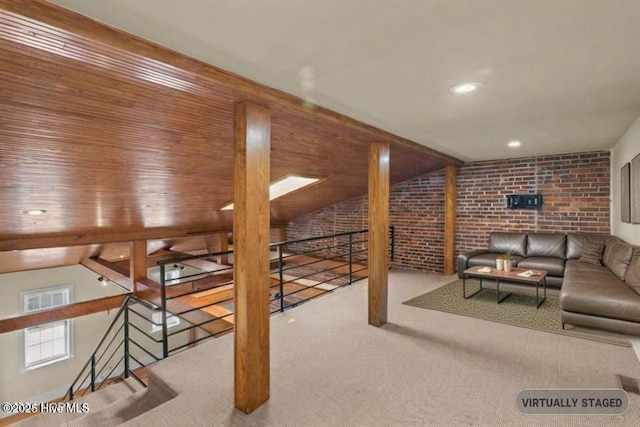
{"points": [[115, 386], [111, 406]]}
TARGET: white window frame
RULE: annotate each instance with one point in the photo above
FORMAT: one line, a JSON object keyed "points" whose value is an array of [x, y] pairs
{"points": [[156, 319], [49, 329]]}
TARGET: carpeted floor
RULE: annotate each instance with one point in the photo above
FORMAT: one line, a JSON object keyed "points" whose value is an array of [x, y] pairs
{"points": [[518, 310], [423, 368]]}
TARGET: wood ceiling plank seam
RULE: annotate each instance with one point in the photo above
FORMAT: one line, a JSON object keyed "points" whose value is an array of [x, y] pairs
{"points": [[126, 43], [97, 54], [89, 120]]}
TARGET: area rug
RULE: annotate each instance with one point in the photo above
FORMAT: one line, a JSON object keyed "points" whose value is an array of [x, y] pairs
{"points": [[517, 310]]}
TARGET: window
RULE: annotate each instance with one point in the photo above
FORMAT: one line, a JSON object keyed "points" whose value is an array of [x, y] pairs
{"points": [[49, 343], [171, 277], [156, 318]]}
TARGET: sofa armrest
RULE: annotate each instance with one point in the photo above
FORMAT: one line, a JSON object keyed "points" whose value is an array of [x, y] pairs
{"points": [[463, 259]]}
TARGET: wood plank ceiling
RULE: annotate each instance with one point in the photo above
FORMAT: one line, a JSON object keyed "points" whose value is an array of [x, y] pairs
{"points": [[117, 138]]}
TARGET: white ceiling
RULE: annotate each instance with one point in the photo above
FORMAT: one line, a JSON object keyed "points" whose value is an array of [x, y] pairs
{"points": [[559, 75]]}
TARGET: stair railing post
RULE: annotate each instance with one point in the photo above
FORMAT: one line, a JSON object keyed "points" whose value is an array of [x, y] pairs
{"points": [[392, 239], [280, 273], [126, 340], [93, 375], [163, 298], [350, 258]]}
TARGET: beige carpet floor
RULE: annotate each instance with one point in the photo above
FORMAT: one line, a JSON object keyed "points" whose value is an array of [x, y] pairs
{"points": [[519, 309], [424, 368]]}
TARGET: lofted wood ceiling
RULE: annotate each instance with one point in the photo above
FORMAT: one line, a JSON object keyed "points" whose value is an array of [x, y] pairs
{"points": [[118, 139]]}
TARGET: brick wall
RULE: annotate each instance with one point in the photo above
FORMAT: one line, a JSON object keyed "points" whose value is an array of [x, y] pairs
{"points": [[575, 189], [416, 209]]}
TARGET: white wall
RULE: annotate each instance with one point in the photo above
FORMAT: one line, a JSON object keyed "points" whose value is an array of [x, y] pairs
{"points": [[18, 385], [625, 149]]}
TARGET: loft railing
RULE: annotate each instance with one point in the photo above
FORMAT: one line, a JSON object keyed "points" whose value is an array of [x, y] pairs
{"points": [[120, 351], [301, 270], [197, 306]]}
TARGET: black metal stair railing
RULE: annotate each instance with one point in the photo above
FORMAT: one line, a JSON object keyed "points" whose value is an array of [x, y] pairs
{"points": [[303, 269], [132, 341], [121, 350]]}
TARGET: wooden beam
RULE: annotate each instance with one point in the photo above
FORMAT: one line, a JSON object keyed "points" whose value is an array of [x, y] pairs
{"points": [[64, 240], [251, 256], [450, 220], [378, 232], [200, 263], [69, 311], [138, 262], [109, 270]]}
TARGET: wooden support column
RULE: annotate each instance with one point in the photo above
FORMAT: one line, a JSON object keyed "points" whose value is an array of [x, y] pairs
{"points": [[219, 242], [251, 256], [378, 232], [138, 262], [450, 220], [280, 234]]}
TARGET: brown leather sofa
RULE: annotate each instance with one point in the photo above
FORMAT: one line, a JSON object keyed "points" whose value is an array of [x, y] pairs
{"points": [[541, 251], [603, 296], [607, 296]]}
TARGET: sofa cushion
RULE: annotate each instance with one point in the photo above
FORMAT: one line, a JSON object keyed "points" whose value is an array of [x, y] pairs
{"points": [[553, 245], [489, 260], [500, 243], [632, 278], [553, 266], [592, 252], [617, 256], [575, 242], [596, 291]]}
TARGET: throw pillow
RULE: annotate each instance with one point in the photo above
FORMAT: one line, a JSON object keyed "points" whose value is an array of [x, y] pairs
{"points": [[592, 252]]}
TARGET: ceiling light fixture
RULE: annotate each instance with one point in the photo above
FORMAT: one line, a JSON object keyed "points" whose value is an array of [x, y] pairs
{"points": [[35, 212], [514, 144], [463, 88], [103, 280], [283, 187]]}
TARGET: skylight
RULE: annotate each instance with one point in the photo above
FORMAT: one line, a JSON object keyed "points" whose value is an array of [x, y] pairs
{"points": [[284, 187]]}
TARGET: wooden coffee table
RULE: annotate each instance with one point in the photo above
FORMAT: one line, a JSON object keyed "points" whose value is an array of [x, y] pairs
{"points": [[539, 277]]}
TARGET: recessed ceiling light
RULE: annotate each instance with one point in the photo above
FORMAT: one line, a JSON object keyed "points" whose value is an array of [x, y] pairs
{"points": [[463, 88], [35, 212], [514, 144]]}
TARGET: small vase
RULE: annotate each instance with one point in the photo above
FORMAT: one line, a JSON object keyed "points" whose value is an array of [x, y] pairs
{"points": [[507, 265], [500, 264]]}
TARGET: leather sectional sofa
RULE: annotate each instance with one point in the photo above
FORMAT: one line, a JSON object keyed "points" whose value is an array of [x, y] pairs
{"points": [[602, 293]]}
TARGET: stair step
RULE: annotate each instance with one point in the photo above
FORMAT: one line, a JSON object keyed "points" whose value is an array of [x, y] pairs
{"points": [[96, 401], [127, 407]]}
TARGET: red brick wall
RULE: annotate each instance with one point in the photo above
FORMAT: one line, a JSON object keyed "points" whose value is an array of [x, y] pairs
{"points": [[575, 189], [416, 210]]}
